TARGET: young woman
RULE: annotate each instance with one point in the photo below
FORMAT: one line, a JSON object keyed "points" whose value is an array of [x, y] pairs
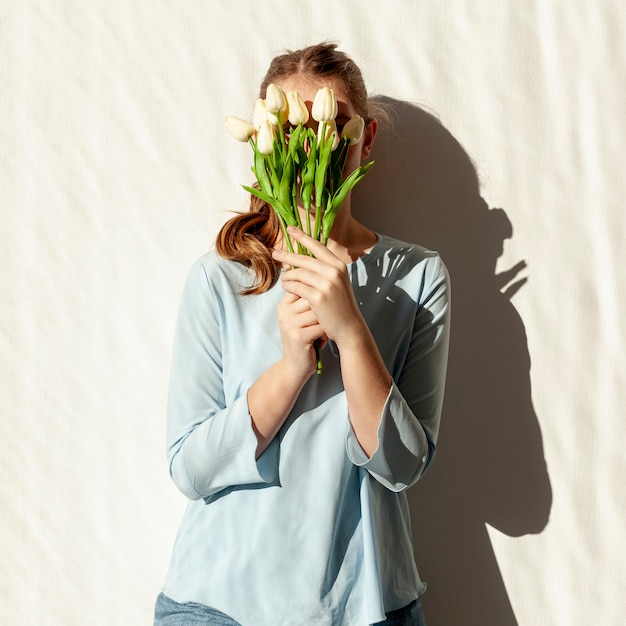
{"points": [[298, 513]]}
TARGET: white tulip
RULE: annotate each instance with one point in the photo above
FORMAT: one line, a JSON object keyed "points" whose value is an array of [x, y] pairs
{"points": [[239, 129], [275, 100], [265, 138], [353, 130], [324, 105], [298, 113], [260, 113], [276, 105]]}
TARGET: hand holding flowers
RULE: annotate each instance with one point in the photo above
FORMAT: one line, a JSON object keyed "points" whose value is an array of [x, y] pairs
{"points": [[322, 280]]}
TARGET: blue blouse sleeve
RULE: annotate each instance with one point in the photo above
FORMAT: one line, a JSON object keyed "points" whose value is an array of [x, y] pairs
{"points": [[210, 446], [409, 424]]}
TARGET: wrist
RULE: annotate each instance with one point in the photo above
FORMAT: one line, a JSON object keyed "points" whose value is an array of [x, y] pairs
{"points": [[356, 337], [292, 373], [359, 354]]}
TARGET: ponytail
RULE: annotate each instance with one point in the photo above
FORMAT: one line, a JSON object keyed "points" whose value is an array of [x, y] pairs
{"points": [[248, 238]]}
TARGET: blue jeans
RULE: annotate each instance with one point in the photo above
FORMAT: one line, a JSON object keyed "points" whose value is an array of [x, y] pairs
{"points": [[410, 615], [167, 612], [170, 613]]}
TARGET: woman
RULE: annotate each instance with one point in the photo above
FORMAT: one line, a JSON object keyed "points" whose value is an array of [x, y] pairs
{"points": [[296, 481]]}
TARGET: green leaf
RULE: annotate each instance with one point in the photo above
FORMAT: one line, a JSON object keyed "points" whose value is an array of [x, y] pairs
{"points": [[286, 183], [282, 212], [260, 172], [339, 197], [320, 173], [295, 144]]}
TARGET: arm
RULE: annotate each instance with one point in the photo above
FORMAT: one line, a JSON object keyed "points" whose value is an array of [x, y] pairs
{"points": [[409, 424], [273, 395], [210, 446]]}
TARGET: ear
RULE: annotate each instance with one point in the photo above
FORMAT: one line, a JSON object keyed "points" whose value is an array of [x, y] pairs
{"points": [[369, 134]]}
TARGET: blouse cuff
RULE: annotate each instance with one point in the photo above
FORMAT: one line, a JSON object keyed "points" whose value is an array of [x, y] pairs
{"points": [[403, 449], [229, 461]]}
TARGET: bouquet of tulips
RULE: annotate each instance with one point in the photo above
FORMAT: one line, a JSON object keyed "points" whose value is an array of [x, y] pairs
{"points": [[295, 165]]}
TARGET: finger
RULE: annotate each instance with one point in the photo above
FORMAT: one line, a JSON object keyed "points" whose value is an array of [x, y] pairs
{"points": [[297, 313], [318, 249], [293, 310], [307, 319], [315, 333], [292, 304], [305, 335], [293, 259], [288, 299], [300, 290], [324, 279]]}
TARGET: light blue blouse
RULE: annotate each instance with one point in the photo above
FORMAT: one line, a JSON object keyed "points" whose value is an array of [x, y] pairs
{"points": [[314, 531]]}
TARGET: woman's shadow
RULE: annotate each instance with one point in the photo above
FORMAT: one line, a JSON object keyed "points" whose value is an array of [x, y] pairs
{"points": [[490, 466]]}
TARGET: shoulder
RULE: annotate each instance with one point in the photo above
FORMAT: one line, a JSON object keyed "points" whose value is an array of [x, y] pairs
{"points": [[385, 242], [405, 259], [214, 283], [219, 274], [214, 265]]}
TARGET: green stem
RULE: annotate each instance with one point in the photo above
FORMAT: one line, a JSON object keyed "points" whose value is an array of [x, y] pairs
{"points": [[285, 233], [318, 222], [318, 356], [281, 134]]}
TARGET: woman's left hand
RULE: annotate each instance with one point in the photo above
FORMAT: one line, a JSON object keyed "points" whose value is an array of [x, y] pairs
{"points": [[324, 283]]}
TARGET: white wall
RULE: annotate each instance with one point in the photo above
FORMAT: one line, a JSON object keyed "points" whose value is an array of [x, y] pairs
{"points": [[115, 172]]}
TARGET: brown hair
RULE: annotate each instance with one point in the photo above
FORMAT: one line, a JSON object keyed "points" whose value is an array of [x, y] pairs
{"points": [[248, 238]]}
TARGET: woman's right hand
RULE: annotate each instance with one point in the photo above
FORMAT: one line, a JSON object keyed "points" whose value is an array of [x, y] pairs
{"points": [[299, 330], [273, 395]]}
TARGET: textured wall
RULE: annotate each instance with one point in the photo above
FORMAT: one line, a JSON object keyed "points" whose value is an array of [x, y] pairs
{"points": [[115, 172]]}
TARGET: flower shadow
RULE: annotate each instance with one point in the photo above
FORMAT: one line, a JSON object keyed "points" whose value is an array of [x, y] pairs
{"points": [[490, 466]]}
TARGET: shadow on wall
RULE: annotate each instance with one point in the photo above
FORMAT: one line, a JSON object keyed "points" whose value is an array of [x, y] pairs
{"points": [[490, 467]]}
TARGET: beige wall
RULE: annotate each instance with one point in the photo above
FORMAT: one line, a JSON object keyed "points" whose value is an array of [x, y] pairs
{"points": [[115, 173]]}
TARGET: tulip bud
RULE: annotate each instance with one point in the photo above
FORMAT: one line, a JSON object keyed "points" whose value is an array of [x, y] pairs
{"points": [[324, 105], [353, 130], [330, 129], [260, 113], [275, 99], [265, 138], [239, 129], [276, 105], [298, 113]]}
